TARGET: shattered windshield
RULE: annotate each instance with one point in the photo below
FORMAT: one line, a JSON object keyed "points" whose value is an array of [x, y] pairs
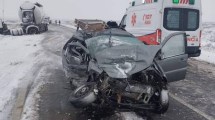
{"points": [[120, 56]]}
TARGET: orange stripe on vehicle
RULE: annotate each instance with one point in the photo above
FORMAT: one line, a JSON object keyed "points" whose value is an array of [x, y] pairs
{"points": [[184, 1], [150, 39]]}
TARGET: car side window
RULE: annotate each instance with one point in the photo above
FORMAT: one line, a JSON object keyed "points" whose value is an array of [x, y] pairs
{"points": [[174, 46]]}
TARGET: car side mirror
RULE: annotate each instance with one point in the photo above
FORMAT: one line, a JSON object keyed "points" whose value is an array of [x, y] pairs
{"points": [[175, 44]]}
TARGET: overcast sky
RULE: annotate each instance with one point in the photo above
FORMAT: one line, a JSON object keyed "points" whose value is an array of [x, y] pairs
{"points": [[89, 9]]}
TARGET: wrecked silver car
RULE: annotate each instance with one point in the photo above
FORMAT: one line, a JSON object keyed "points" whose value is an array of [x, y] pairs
{"points": [[120, 72]]}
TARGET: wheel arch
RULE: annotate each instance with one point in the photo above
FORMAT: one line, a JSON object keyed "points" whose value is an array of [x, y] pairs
{"points": [[31, 26]]}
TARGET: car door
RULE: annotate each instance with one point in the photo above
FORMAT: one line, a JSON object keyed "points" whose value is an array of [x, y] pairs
{"points": [[173, 57]]}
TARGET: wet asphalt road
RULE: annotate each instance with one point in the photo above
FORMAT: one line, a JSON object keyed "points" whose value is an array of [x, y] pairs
{"points": [[54, 103]]}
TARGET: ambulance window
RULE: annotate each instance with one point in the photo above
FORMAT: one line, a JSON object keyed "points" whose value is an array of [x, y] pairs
{"points": [[193, 19], [181, 19], [173, 19]]}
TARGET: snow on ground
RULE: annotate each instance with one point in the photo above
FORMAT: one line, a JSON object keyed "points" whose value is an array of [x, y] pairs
{"points": [[17, 58], [31, 105], [48, 60], [208, 56], [208, 43], [69, 24]]}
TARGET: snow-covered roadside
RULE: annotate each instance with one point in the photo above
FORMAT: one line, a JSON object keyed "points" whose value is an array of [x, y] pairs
{"points": [[17, 58], [69, 24], [45, 64], [208, 43], [208, 56], [30, 111]]}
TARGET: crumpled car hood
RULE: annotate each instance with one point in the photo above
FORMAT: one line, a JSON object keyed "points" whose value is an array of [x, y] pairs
{"points": [[121, 58]]}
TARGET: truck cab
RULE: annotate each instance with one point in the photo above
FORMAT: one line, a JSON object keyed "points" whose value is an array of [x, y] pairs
{"points": [[32, 17], [151, 21]]}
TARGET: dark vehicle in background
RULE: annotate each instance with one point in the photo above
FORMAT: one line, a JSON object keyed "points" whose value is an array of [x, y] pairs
{"points": [[121, 72]]}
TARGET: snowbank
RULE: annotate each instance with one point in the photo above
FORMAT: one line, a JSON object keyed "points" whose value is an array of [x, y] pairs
{"points": [[208, 43], [70, 26], [18, 54], [208, 56]]}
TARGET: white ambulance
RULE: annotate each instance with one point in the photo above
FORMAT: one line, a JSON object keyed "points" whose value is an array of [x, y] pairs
{"points": [[153, 20]]}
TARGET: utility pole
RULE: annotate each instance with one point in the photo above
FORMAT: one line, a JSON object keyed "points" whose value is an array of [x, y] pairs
{"points": [[3, 10]]}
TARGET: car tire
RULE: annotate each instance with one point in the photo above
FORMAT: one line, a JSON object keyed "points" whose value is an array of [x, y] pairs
{"points": [[17, 32], [83, 96], [163, 102]]}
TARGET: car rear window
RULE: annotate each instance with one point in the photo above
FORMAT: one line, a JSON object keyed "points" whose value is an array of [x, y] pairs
{"points": [[181, 19]]}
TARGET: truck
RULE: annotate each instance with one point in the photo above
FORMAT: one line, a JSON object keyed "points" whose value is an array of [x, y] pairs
{"points": [[33, 18], [151, 21], [90, 25]]}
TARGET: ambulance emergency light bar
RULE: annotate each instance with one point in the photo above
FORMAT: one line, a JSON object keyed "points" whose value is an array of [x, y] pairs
{"points": [[191, 2]]}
